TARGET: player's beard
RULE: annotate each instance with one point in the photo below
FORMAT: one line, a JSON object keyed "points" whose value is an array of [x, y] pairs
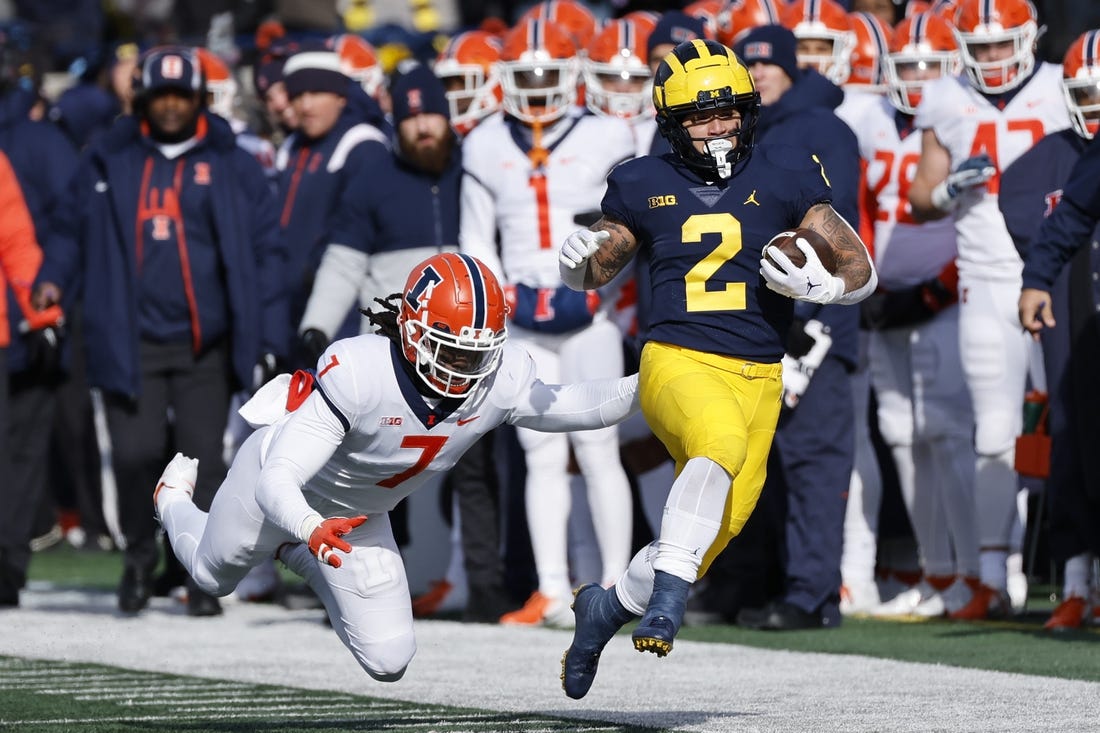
{"points": [[432, 158]]}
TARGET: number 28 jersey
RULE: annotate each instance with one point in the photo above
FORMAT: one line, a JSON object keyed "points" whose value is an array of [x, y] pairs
{"points": [[705, 241]]}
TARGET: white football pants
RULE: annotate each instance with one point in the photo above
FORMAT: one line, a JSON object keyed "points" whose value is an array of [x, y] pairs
{"points": [[367, 597]]}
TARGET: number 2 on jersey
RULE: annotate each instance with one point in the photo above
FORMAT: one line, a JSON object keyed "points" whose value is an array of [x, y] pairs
{"points": [[429, 446], [732, 296]]}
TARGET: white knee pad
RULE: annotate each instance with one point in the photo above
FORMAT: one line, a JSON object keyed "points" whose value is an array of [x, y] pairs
{"points": [[996, 432], [385, 661]]}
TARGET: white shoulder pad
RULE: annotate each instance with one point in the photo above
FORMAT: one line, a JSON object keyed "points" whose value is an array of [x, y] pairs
{"points": [[268, 404]]}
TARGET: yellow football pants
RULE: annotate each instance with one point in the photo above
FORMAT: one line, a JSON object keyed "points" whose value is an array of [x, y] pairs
{"points": [[717, 407]]}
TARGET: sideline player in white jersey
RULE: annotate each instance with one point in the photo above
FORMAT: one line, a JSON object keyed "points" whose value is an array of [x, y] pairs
{"points": [[618, 81], [973, 126], [384, 414], [863, 91], [924, 411], [530, 177]]}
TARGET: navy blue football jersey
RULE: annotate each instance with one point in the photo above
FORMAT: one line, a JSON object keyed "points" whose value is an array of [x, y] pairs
{"points": [[704, 241]]}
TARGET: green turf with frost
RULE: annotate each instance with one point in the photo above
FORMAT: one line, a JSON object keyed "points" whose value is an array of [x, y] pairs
{"points": [[1019, 645], [58, 697]]}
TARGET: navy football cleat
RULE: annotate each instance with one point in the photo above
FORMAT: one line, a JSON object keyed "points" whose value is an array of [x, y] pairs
{"points": [[664, 614], [598, 616]]}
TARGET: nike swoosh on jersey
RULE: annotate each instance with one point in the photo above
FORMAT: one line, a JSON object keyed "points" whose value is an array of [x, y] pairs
{"points": [[467, 420]]}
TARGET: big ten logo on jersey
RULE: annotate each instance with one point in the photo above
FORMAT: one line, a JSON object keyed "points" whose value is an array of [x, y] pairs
{"points": [[889, 176], [667, 199], [1017, 137], [390, 421]]}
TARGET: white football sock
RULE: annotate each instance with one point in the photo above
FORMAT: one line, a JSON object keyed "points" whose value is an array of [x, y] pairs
{"points": [[1078, 569]]}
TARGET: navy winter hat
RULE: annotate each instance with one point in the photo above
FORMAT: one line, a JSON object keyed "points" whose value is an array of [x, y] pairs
{"points": [[419, 91], [770, 44], [315, 71], [675, 27], [171, 68]]}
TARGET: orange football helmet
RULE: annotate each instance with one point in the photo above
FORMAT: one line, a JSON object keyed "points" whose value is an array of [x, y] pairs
{"points": [[452, 322], [571, 15], [539, 71], [617, 79], [823, 20], [468, 69], [220, 84], [982, 22], [1081, 83], [872, 41], [359, 61], [738, 17], [922, 47], [945, 8], [706, 11]]}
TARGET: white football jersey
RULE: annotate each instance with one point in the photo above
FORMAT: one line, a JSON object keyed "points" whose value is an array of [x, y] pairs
{"points": [[855, 105], [906, 252], [966, 123], [365, 438], [535, 210]]}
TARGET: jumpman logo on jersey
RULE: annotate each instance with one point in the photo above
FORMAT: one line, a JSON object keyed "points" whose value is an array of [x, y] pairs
{"points": [[751, 199]]}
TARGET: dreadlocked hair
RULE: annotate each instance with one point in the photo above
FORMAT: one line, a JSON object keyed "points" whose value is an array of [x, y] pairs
{"points": [[385, 320]]}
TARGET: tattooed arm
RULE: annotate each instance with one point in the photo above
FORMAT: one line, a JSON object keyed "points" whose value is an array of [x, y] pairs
{"points": [[855, 276], [591, 258], [853, 261]]}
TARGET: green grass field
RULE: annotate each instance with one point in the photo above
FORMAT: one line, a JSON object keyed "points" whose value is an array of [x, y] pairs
{"points": [[70, 662], [1019, 645], [40, 697]]}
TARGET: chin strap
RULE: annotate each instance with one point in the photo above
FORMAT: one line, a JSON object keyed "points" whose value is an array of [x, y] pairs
{"points": [[719, 149]]}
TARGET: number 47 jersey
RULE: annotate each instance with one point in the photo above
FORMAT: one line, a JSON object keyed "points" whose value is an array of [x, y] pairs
{"points": [[705, 240], [967, 123]]}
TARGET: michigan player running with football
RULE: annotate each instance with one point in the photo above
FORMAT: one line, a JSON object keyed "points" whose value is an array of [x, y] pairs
{"points": [[339, 450], [710, 369]]}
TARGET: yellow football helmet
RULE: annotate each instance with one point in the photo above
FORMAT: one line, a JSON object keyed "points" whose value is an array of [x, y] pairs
{"points": [[699, 76]]}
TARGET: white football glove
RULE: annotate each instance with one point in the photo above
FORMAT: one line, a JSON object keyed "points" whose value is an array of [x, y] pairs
{"points": [[797, 371], [581, 245], [811, 282], [969, 175]]}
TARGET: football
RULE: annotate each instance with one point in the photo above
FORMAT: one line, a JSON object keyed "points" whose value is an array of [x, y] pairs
{"points": [[785, 243]]}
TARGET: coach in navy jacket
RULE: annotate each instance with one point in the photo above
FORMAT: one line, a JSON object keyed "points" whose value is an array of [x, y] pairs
{"points": [[94, 243], [170, 240]]}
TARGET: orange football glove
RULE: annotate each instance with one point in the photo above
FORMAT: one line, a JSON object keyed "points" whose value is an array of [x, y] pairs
{"points": [[325, 540]]}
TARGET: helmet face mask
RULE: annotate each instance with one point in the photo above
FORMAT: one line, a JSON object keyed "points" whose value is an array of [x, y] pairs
{"points": [[468, 69], [617, 78], [539, 70], [700, 77], [452, 323], [825, 36], [981, 27], [922, 48], [1081, 83]]}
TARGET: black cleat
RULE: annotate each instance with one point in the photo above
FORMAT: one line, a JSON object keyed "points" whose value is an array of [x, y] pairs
{"points": [[663, 615], [599, 615]]}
